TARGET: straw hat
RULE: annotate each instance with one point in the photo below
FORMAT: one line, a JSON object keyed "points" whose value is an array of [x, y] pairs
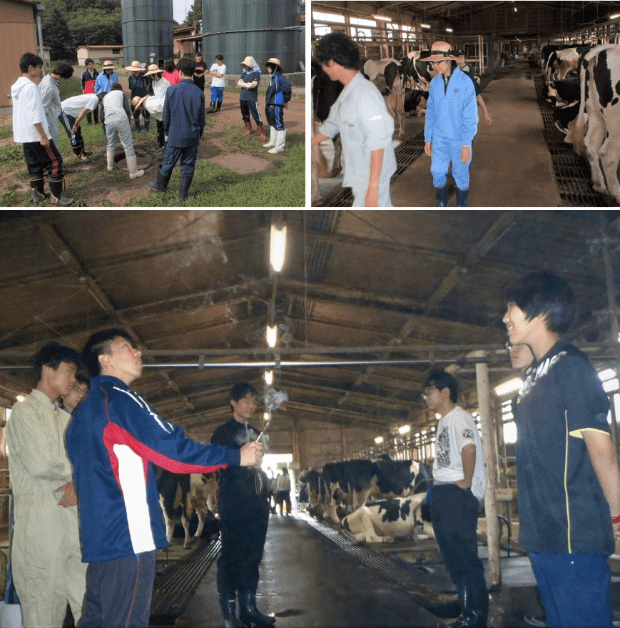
{"points": [[440, 51], [108, 65], [249, 61], [135, 66], [274, 61], [136, 101], [153, 69]]}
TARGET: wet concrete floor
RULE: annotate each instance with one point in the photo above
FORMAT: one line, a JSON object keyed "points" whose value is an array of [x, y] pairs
{"points": [[309, 582]]}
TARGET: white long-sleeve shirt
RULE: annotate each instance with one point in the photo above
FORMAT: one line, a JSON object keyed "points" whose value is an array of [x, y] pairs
{"points": [[27, 111]]}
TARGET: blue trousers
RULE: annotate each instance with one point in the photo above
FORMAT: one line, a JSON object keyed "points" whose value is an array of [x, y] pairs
{"points": [[445, 152], [574, 589], [119, 592], [187, 155], [217, 94], [275, 116]]}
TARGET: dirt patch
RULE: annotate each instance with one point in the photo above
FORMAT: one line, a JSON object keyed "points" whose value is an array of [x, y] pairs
{"points": [[243, 163]]}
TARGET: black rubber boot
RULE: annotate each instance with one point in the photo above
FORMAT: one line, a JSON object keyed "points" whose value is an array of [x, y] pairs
{"points": [[443, 195], [161, 185], [228, 605], [58, 194], [137, 123], [38, 191], [249, 614], [184, 183], [161, 136], [475, 608], [147, 124], [461, 197], [219, 106], [212, 108]]}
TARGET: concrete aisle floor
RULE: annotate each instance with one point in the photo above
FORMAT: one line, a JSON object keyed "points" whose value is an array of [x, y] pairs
{"points": [[511, 164], [309, 582]]}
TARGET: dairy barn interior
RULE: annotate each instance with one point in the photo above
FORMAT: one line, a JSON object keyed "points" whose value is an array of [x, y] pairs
{"points": [[361, 306], [522, 159]]}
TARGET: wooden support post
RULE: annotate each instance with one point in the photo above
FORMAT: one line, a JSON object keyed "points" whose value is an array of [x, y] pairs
{"points": [[490, 461]]}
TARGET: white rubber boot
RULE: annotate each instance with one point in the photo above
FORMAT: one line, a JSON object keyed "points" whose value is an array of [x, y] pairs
{"points": [[272, 138], [110, 155], [132, 166], [280, 142]]}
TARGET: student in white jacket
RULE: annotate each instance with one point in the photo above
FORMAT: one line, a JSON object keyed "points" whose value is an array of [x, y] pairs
{"points": [[31, 129]]}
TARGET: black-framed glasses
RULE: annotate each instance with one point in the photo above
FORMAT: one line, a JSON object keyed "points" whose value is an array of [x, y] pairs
{"points": [[427, 391]]}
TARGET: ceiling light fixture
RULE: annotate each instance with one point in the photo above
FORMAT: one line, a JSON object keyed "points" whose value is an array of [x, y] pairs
{"points": [[425, 25], [379, 440], [403, 429], [382, 18], [448, 30], [268, 377], [278, 247], [272, 335], [614, 16]]}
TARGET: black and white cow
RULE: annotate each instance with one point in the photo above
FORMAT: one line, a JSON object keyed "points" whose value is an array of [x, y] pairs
{"points": [[596, 133], [174, 498], [415, 101], [384, 520], [324, 95], [387, 76]]}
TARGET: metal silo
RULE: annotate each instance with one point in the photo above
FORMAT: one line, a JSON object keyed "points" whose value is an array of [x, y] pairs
{"points": [[260, 28], [147, 30]]}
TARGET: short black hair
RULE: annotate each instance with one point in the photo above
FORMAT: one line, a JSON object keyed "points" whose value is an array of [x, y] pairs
{"points": [[29, 59], [89, 60], [544, 293], [52, 354], [440, 379], [240, 390], [99, 344], [186, 66], [116, 86], [82, 375], [339, 48], [220, 57], [63, 69], [169, 65]]}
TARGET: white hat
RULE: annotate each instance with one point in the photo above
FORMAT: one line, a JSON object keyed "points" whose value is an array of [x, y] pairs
{"points": [[135, 66]]}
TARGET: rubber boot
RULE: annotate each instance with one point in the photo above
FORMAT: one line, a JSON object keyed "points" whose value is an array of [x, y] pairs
{"points": [[58, 194], [212, 107], [161, 136], [147, 124], [137, 123], [248, 129], [280, 142], [272, 138], [228, 605], [38, 191], [461, 197], [219, 106], [443, 195], [475, 608], [262, 133], [184, 182], [110, 156], [249, 614], [161, 185], [132, 166]]}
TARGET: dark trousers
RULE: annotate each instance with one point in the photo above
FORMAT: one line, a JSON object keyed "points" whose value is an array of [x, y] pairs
{"points": [[574, 589], [243, 529], [76, 139], [95, 114], [119, 592], [454, 514], [187, 155], [275, 116], [250, 107], [161, 135], [44, 161]]}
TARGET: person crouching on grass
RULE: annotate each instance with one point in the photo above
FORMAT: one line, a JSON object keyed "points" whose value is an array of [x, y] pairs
{"points": [[278, 94], [184, 123], [73, 111], [362, 119], [248, 98], [451, 124]]}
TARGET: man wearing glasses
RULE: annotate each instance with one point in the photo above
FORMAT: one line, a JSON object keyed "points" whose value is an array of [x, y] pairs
{"points": [[459, 484], [451, 124]]}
